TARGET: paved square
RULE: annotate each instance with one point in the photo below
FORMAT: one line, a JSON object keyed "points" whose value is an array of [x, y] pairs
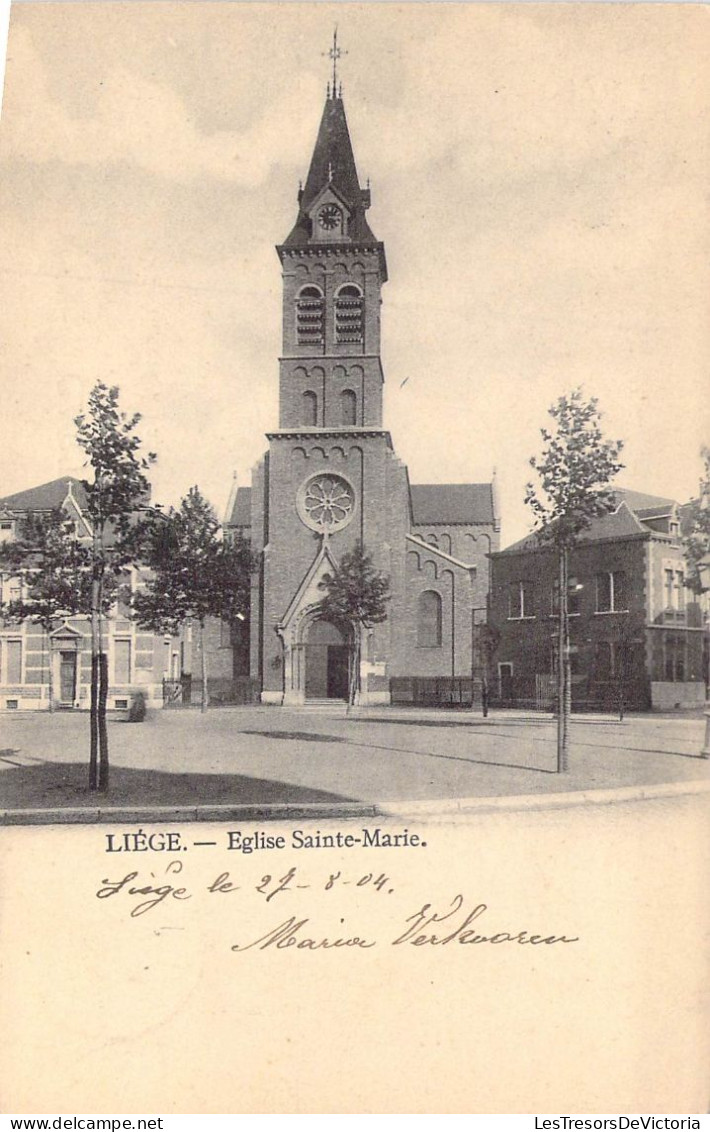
{"points": [[257, 756]]}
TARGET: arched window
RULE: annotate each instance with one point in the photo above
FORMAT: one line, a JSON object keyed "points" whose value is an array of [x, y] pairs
{"points": [[348, 314], [309, 316], [348, 407], [309, 409], [429, 620], [445, 543]]}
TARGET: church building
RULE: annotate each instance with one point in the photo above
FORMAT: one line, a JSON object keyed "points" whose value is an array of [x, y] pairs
{"points": [[331, 476]]}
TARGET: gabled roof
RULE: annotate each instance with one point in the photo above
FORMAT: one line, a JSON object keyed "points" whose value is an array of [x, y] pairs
{"points": [[47, 496], [241, 511], [621, 523], [642, 503], [445, 503], [333, 162]]}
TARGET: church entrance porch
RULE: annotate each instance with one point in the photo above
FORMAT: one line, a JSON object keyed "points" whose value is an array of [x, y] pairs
{"points": [[326, 663]]}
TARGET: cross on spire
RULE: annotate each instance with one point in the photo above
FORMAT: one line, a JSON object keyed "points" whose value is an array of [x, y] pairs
{"points": [[335, 53]]}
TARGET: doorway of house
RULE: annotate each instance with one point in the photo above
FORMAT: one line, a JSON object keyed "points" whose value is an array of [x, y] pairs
{"points": [[326, 663], [505, 675], [67, 679]]}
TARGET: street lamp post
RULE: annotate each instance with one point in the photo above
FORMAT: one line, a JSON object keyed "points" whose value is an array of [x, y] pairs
{"points": [[478, 640], [704, 575]]}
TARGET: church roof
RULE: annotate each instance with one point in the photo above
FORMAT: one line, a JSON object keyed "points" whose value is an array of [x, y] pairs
{"points": [[241, 511], [446, 503], [333, 163], [47, 496]]}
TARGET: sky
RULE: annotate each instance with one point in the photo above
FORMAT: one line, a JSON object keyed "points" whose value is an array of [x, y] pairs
{"points": [[539, 176]]}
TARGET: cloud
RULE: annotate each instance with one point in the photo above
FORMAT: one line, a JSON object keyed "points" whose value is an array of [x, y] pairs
{"points": [[144, 124]]}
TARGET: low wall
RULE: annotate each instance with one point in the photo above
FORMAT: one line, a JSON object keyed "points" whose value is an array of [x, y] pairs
{"points": [[666, 695]]}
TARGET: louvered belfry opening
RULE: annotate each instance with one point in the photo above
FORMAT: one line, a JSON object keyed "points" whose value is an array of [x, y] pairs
{"points": [[310, 317], [349, 314]]}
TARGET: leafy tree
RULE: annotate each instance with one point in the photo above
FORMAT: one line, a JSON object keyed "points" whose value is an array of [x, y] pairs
{"points": [[574, 472], [195, 574], [355, 597], [697, 529], [115, 494], [53, 570]]}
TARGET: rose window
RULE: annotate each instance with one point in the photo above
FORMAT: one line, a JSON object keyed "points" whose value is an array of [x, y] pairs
{"points": [[326, 502]]}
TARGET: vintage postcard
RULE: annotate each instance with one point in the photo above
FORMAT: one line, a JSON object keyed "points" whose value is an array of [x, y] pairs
{"points": [[355, 559]]}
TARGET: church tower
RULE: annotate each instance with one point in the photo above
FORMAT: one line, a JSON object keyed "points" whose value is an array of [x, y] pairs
{"points": [[331, 478], [333, 271]]}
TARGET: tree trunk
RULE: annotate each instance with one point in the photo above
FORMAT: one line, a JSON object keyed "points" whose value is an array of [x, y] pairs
{"points": [[95, 652], [354, 680], [204, 703], [50, 681], [103, 731], [103, 687]]}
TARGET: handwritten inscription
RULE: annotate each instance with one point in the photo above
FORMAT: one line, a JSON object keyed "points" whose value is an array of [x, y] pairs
{"points": [[461, 921]]}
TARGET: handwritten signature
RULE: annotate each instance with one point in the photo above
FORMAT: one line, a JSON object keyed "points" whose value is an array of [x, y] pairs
{"points": [[291, 932]]}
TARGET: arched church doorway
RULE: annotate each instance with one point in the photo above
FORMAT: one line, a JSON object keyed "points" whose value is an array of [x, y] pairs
{"points": [[326, 663]]}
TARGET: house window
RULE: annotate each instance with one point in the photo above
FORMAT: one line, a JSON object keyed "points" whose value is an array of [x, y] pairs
{"points": [[668, 588], [348, 314], [13, 663], [604, 665], [520, 601], [611, 591], [429, 620], [348, 407], [679, 602], [122, 661], [123, 594], [574, 594], [309, 408], [309, 316], [674, 658]]}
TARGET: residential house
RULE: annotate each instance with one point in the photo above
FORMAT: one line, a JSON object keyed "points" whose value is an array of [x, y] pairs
{"points": [[636, 632], [138, 660]]}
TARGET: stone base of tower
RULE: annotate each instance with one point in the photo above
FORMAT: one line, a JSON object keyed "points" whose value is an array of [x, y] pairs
{"points": [[297, 698]]}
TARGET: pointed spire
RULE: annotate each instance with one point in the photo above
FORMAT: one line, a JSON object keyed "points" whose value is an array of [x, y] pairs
{"points": [[333, 167], [333, 160]]}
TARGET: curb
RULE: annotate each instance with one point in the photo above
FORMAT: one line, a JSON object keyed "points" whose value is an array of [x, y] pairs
{"points": [[602, 797], [284, 811]]}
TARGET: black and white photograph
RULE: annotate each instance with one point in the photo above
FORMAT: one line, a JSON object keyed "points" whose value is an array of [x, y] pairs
{"points": [[355, 531]]}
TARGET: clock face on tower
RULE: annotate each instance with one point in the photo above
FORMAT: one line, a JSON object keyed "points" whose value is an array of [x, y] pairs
{"points": [[329, 217]]}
